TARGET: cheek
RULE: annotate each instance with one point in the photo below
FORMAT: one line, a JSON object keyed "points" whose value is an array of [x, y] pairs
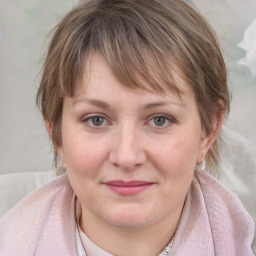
{"points": [[176, 157], [176, 163], [85, 155], [85, 161]]}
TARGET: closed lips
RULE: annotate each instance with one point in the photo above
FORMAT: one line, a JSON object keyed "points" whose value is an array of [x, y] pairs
{"points": [[120, 183], [127, 188]]}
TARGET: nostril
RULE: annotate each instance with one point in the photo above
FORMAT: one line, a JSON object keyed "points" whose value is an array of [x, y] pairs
{"points": [[127, 160], [126, 150]]}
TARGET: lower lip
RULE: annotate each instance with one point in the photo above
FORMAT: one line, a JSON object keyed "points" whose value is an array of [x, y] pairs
{"points": [[129, 190]]}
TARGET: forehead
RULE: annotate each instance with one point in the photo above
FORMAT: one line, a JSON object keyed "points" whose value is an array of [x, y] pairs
{"points": [[99, 82], [97, 72]]}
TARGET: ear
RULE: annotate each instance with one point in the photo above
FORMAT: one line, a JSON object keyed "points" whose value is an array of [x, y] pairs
{"points": [[48, 125], [49, 128], [207, 140]]}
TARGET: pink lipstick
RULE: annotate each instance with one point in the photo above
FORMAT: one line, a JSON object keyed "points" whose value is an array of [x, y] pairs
{"points": [[128, 188]]}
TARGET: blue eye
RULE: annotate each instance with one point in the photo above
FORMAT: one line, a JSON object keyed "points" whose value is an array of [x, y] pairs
{"points": [[95, 121], [160, 121]]}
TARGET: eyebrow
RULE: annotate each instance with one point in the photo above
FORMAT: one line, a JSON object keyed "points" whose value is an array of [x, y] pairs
{"points": [[97, 103], [105, 105], [163, 103]]}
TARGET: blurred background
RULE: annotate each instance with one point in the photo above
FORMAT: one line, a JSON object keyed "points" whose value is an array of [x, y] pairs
{"points": [[24, 29]]}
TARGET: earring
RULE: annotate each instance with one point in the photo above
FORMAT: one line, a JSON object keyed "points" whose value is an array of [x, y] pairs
{"points": [[61, 170], [201, 164]]}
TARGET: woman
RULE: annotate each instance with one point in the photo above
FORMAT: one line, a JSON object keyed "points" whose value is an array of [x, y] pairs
{"points": [[133, 94]]}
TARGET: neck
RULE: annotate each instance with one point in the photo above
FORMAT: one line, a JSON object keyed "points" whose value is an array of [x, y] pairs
{"points": [[143, 241]]}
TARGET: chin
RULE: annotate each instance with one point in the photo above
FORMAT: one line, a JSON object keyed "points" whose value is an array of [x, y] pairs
{"points": [[129, 218]]}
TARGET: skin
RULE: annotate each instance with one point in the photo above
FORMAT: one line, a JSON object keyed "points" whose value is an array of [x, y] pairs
{"points": [[111, 132]]}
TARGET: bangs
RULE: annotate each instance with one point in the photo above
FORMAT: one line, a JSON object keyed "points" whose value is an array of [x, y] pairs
{"points": [[139, 58], [146, 44]]}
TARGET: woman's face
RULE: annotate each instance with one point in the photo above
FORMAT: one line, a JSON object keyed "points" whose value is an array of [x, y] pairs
{"points": [[130, 153]]}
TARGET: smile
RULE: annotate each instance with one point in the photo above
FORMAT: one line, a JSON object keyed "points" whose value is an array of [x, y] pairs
{"points": [[128, 188]]}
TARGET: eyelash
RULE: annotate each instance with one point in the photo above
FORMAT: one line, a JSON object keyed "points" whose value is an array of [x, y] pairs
{"points": [[89, 119], [168, 119]]}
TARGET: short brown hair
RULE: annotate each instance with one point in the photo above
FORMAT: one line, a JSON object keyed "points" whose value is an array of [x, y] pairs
{"points": [[141, 41]]}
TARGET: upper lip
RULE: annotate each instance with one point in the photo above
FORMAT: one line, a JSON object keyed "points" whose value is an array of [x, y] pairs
{"points": [[132, 183]]}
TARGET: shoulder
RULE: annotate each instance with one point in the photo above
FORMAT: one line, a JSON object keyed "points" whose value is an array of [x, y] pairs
{"points": [[214, 192], [16, 186], [41, 197], [213, 221], [217, 198], [22, 227], [227, 216]]}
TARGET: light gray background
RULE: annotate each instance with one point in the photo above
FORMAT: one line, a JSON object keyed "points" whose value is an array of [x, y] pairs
{"points": [[24, 25]]}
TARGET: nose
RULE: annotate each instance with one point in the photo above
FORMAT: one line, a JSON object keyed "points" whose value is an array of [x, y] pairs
{"points": [[127, 150]]}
